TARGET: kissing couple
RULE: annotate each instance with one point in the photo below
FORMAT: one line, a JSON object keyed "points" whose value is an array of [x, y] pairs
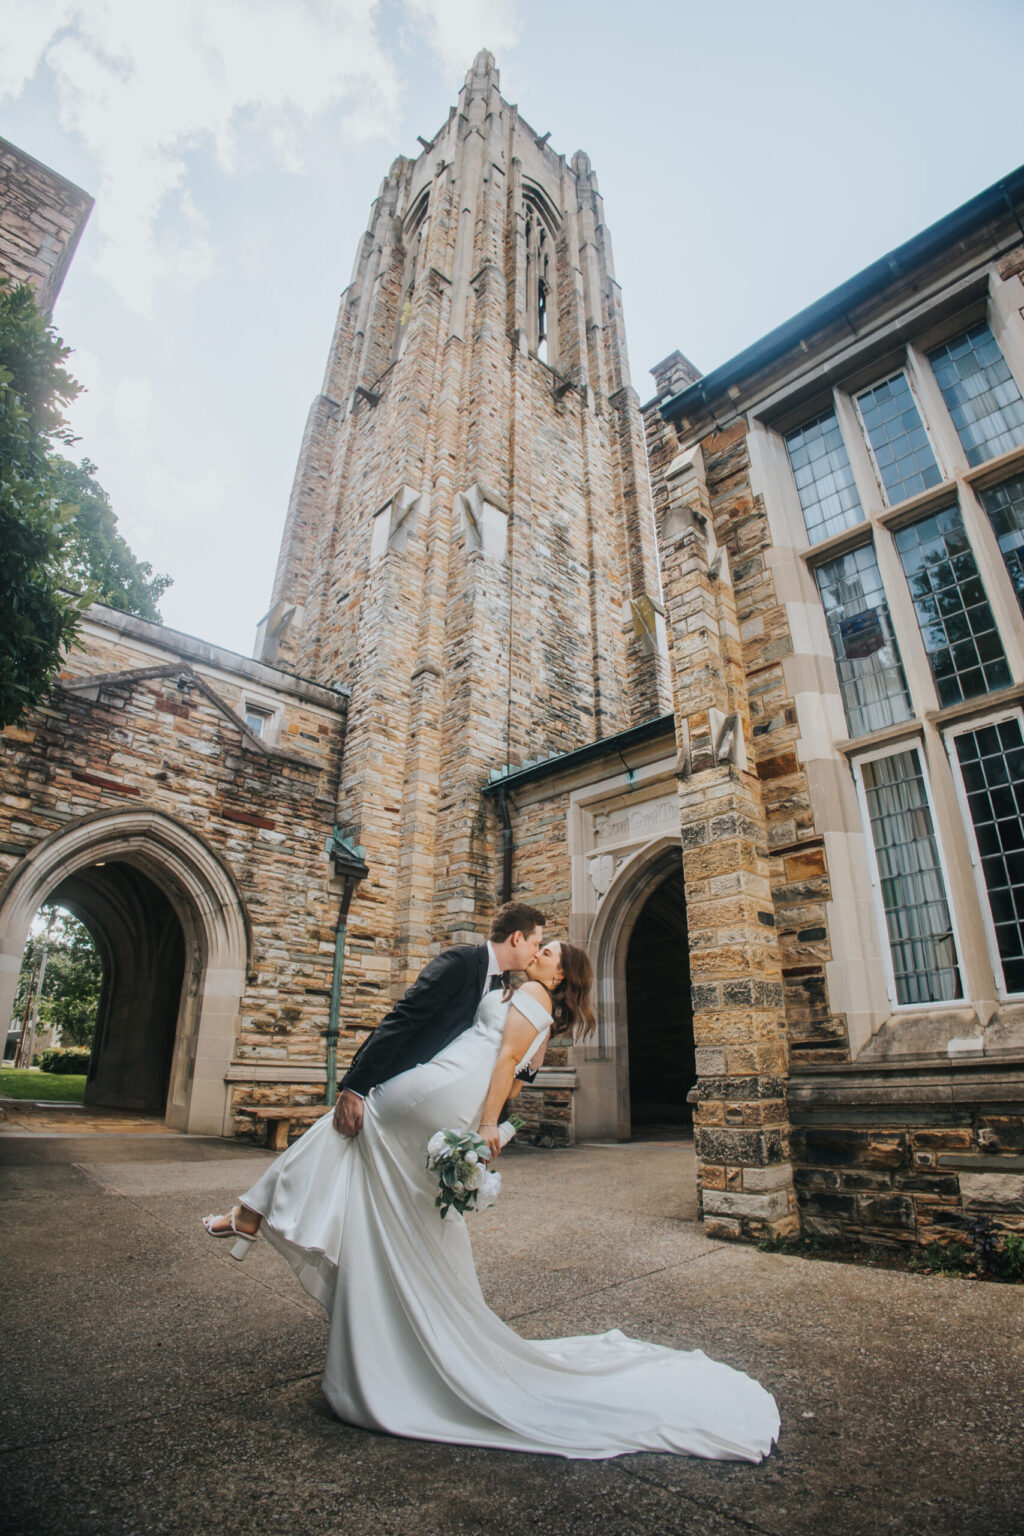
{"points": [[413, 1348]]}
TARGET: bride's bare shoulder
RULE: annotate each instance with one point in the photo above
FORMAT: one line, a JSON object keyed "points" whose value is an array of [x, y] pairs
{"points": [[537, 991]]}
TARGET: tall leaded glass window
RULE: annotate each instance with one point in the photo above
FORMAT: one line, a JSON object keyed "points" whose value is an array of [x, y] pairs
{"points": [[981, 393], [912, 888], [1004, 504], [898, 439], [871, 678], [959, 632], [992, 765], [823, 477]]}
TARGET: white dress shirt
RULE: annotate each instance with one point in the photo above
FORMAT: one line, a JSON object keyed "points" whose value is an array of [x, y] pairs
{"points": [[493, 968]]}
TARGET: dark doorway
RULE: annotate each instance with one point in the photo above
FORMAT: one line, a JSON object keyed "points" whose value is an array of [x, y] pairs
{"points": [[142, 945], [662, 1066]]}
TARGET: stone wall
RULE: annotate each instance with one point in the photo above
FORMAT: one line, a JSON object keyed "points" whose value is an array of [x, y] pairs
{"points": [[159, 741], [41, 220], [909, 1157]]}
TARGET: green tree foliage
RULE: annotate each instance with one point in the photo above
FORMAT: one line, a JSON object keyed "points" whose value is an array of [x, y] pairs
{"points": [[58, 533], [96, 558], [37, 618], [71, 981]]}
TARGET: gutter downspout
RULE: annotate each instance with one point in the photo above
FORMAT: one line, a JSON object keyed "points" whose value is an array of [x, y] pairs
{"points": [[349, 863], [507, 848], [334, 1015]]}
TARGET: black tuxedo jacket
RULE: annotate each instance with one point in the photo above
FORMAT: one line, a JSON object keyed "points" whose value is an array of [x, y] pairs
{"points": [[439, 1005]]}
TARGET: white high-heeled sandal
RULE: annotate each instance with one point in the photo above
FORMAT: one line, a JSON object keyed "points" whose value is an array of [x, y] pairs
{"points": [[241, 1247]]}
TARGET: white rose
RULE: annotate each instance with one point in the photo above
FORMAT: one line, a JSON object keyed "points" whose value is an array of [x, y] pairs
{"points": [[474, 1178], [471, 1157], [489, 1190], [437, 1144]]}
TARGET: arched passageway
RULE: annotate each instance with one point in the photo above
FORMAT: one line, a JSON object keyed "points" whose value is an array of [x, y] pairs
{"points": [[659, 1012], [175, 940], [636, 1073], [142, 946]]}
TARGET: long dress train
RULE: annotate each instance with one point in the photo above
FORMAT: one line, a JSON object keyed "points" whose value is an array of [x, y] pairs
{"points": [[414, 1349]]}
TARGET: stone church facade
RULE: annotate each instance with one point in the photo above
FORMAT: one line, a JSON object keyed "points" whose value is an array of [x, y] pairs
{"points": [[695, 677]]}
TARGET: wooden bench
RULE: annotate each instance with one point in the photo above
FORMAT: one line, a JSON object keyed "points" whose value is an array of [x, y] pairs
{"points": [[280, 1118]]}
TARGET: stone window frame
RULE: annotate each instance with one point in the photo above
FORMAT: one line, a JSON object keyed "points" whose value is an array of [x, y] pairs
{"points": [[900, 342], [267, 710], [961, 481], [540, 212], [415, 229], [871, 363], [961, 727], [914, 743]]}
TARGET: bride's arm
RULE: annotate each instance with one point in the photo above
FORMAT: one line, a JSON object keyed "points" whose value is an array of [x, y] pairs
{"points": [[536, 1062], [515, 1042]]}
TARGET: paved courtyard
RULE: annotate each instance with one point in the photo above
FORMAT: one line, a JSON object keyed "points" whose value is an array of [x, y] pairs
{"points": [[153, 1385]]}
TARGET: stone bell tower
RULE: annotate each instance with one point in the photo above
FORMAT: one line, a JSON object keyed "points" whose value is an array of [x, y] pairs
{"points": [[470, 546]]}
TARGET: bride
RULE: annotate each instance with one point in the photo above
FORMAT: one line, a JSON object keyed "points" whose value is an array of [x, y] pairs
{"points": [[413, 1348]]}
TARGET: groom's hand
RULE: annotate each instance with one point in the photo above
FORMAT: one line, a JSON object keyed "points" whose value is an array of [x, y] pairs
{"points": [[348, 1113]]}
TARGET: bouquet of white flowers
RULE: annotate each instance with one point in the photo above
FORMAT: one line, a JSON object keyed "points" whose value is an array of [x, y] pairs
{"points": [[460, 1161]]}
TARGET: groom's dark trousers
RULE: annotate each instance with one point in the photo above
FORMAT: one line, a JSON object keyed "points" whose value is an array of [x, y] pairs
{"points": [[439, 1006]]}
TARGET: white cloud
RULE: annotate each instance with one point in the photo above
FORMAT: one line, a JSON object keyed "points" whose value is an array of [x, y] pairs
{"points": [[456, 30], [146, 84], [179, 511], [26, 31]]}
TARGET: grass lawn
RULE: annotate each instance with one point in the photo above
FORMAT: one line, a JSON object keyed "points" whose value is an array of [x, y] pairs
{"points": [[68, 1087]]}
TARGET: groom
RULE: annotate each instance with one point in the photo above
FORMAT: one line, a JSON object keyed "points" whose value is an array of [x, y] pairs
{"points": [[439, 1006]]}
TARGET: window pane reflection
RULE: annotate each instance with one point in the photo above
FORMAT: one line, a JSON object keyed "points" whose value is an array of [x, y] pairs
{"points": [[917, 918], [959, 632], [898, 439], [871, 678], [824, 478], [981, 394], [1004, 504]]}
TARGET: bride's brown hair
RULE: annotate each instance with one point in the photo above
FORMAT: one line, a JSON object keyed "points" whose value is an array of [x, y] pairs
{"points": [[573, 1008]]}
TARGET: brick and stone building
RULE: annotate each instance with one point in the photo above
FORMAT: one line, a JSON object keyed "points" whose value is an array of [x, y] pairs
{"points": [[178, 799], [729, 684], [847, 496], [42, 216]]}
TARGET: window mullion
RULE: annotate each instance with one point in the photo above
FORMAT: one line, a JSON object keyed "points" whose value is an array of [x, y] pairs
{"points": [[865, 477], [948, 448]]}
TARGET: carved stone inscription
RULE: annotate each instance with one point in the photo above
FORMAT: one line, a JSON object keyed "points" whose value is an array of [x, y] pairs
{"points": [[636, 823], [617, 834]]}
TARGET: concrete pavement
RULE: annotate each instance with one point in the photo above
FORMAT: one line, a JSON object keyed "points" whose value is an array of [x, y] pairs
{"points": [[153, 1385]]}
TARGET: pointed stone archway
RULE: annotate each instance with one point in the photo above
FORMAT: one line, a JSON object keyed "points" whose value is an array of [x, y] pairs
{"points": [[176, 943], [601, 1104]]}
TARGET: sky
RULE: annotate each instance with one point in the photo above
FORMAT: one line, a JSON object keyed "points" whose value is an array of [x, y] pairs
{"points": [[751, 157]]}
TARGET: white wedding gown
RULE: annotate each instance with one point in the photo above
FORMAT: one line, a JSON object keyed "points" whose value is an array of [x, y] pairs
{"points": [[415, 1350]]}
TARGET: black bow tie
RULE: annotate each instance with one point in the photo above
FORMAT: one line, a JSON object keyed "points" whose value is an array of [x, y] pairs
{"points": [[495, 982]]}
